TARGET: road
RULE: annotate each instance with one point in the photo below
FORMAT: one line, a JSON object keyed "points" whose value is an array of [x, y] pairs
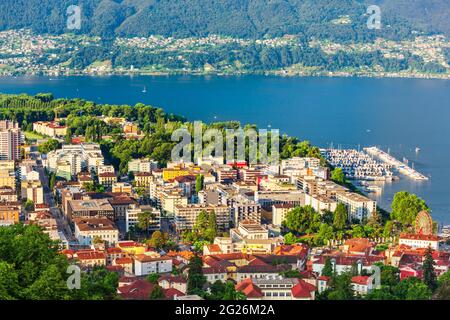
{"points": [[50, 201]]}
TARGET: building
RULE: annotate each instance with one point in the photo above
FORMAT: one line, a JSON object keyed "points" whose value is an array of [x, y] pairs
{"points": [[145, 264], [50, 129], [142, 165], [122, 187], [7, 179], [279, 212], [419, 241], [359, 207], [142, 179], [168, 199], [132, 214], [176, 171], [186, 215], [33, 190], [362, 285], [87, 230], [90, 209], [268, 198], [321, 202], [11, 137], [276, 288], [243, 209], [107, 179], [9, 213]]}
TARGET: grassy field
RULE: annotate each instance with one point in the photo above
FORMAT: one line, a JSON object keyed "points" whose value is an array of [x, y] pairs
{"points": [[32, 135]]}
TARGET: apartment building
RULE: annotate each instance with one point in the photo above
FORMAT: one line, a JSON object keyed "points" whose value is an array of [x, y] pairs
{"points": [[11, 137], [51, 129], [33, 190], [186, 215], [87, 230], [132, 215], [359, 207]]}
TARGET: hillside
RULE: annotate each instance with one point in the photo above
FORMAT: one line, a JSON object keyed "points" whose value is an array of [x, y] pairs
{"points": [[237, 18]]}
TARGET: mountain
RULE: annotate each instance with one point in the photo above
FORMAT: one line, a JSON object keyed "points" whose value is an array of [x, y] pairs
{"points": [[343, 20]]}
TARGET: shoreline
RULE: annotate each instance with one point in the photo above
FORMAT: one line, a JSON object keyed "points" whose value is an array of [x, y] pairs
{"points": [[276, 74]]}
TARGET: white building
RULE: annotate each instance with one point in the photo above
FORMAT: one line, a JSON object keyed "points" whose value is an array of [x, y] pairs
{"points": [[145, 264], [419, 241], [132, 214], [86, 230], [358, 206]]}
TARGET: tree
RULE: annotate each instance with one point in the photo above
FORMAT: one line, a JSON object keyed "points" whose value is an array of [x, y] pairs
{"points": [[9, 282], [52, 181], [29, 206], [49, 145], [405, 207], [340, 216], [429, 275], [303, 220], [49, 286], [211, 231], [328, 268], [199, 183], [145, 220], [68, 138], [196, 279], [159, 239], [153, 278], [230, 292], [341, 287], [338, 176], [443, 291], [157, 293], [412, 289]]}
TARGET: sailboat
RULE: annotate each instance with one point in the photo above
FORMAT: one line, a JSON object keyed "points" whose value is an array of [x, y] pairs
{"points": [[144, 90]]}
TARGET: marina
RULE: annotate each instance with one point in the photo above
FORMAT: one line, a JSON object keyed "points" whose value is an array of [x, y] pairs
{"points": [[398, 165], [358, 165]]}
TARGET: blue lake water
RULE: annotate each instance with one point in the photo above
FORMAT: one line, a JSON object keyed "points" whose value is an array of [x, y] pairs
{"points": [[399, 114]]}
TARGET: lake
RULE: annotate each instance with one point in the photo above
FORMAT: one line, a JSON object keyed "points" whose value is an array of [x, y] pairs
{"points": [[399, 114]]}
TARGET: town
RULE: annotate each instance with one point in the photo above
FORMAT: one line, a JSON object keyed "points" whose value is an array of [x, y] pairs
{"points": [[212, 229], [26, 53]]}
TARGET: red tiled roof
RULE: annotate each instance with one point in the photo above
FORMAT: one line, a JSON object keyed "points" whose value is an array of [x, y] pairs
{"points": [[303, 289], [410, 236], [137, 290], [248, 288], [363, 280], [172, 292]]}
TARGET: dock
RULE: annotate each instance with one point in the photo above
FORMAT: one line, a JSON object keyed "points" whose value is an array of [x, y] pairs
{"points": [[397, 164]]}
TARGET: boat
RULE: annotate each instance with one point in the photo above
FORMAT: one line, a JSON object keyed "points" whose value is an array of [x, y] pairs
{"points": [[417, 149], [144, 90]]}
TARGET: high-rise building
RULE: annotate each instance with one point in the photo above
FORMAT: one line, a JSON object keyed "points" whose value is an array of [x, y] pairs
{"points": [[10, 140]]}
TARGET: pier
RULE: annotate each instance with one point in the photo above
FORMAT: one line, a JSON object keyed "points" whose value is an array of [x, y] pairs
{"points": [[400, 166]]}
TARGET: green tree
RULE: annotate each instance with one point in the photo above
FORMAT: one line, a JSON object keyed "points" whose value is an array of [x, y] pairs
{"points": [[196, 279], [199, 183], [153, 278], [29, 206], [328, 268], [157, 293], [9, 282], [211, 231], [68, 138], [145, 221], [158, 239], [230, 293], [429, 275], [338, 176], [341, 287], [340, 217], [52, 181], [303, 220], [412, 289], [49, 145], [406, 206]]}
